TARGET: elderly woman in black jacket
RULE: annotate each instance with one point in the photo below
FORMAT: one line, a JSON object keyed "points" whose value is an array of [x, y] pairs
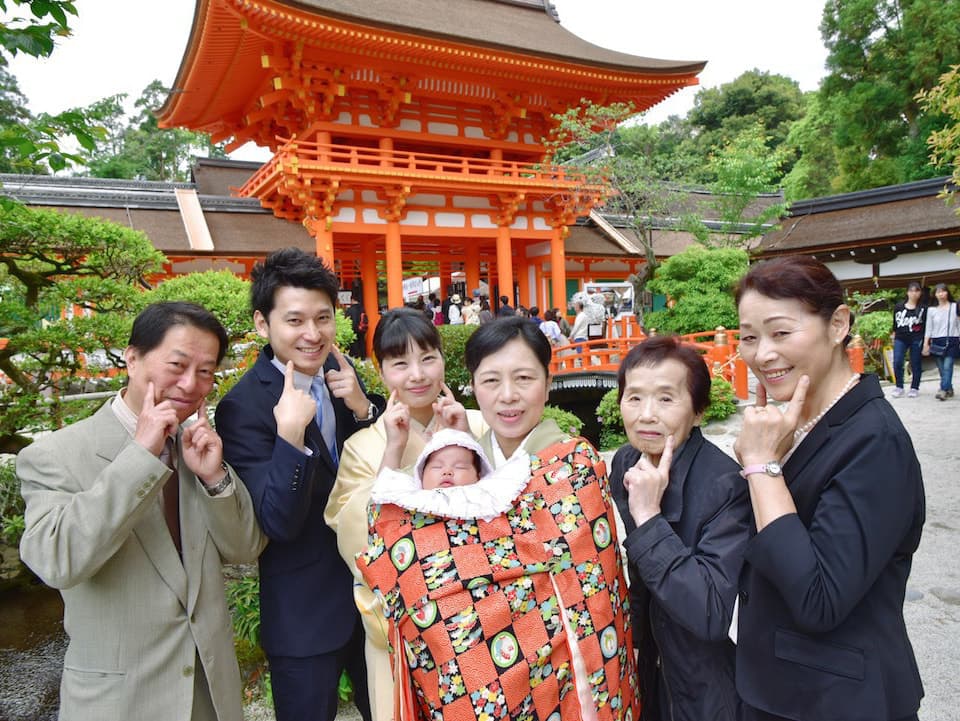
{"points": [[686, 512]]}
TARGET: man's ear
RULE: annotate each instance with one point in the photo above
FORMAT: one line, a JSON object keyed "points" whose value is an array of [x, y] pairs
{"points": [[261, 324]]}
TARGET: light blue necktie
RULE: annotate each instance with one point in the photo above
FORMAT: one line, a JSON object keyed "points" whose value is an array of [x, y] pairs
{"points": [[326, 419]]}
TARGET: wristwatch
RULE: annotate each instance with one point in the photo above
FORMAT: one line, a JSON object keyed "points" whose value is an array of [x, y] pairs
{"points": [[224, 483], [771, 468], [371, 414]]}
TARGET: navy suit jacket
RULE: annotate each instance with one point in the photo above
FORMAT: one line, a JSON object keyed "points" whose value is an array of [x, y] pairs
{"points": [[821, 629], [306, 590]]}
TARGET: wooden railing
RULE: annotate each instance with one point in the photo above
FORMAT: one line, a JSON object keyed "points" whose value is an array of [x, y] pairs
{"points": [[301, 155]]}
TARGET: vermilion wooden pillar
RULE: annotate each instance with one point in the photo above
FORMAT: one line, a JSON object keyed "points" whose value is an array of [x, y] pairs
{"points": [[368, 274], [504, 262], [558, 269], [394, 266]]}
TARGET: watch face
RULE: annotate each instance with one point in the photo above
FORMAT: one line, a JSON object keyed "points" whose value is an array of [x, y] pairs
{"points": [[773, 468]]}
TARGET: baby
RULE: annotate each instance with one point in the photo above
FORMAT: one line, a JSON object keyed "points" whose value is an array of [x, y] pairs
{"points": [[452, 465], [452, 477]]}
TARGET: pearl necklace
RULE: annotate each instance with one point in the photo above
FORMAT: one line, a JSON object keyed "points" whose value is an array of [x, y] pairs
{"points": [[805, 428]]}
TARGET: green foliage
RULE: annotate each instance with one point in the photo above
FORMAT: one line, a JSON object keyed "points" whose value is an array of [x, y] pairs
{"points": [[221, 292], [136, 147], [11, 505], [882, 55], [243, 600], [723, 402], [368, 373], [944, 143], [36, 33], [454, 341], [874, 329], [51, 261], [567, 421], [744, 168], [27, 143], [699, 281], [344, 688], [754, 103], [611, 422]]}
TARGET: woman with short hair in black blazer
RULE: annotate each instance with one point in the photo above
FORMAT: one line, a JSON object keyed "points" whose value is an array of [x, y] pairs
{"points": [[838, 505]]}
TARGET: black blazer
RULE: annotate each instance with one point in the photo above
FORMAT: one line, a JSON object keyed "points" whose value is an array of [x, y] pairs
{"points": [[306, 590], [822, 635], [683, 566]]}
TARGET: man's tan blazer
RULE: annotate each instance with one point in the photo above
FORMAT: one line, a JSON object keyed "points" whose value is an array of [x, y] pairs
{"points": [[138, 618]]}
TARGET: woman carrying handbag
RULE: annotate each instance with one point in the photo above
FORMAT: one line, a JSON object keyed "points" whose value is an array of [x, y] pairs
{"points": [[942, 338]]}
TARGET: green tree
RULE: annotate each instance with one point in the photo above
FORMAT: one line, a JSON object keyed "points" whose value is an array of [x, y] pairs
{"points": [[136, 147], [699, 283], [744, 169], [810, 140], [720, 115], [589, 135], [881, 55], [50, 262], [944, 144], [34, 144]]}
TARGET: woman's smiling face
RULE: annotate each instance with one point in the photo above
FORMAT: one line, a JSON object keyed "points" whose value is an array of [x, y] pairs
{"points": [[782, 340], [511, 387]]}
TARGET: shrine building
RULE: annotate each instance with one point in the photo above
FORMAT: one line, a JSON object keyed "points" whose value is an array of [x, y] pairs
{"points": [[412, 132]]}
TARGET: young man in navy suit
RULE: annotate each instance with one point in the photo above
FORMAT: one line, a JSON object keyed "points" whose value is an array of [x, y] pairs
{"points": [[283, 426]]}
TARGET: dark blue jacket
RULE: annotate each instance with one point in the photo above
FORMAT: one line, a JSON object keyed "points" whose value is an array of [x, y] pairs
{"points": [[684, 565], [306, 590], [822, 635]]}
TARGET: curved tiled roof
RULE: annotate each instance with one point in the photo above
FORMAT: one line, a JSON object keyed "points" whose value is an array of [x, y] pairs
{"points": [[526, 26]]}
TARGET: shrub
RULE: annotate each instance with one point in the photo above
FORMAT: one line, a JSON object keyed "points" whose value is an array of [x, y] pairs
{"points": [[874, 328], [611, 422], [11, 505], [457, 378], [567, 421], [723, 403]]}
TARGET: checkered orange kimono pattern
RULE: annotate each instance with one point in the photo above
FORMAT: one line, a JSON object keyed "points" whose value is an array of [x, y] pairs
{"points": [[475, 607]]}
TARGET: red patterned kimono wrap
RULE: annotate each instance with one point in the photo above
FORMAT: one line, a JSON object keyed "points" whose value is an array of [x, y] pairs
{"points": [[474, 607]]}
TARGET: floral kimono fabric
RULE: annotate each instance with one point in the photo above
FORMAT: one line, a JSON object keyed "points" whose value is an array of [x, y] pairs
{"points": [[479, 610]]}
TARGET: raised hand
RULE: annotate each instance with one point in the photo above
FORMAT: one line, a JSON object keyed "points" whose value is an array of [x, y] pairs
{"points": [[449, 412], [293, 411], [396, 418], [202, 449], [646, 483], [155, 422], [344, 384], [767, 432]]}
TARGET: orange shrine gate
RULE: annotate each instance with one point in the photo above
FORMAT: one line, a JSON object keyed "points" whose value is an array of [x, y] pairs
{"points": [[410, 131]]}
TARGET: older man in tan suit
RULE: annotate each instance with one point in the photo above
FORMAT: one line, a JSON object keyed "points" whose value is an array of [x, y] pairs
{"points": [[130, 513]]}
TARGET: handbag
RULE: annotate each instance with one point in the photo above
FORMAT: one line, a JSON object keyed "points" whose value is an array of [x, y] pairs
{"points": [[947, 345]]}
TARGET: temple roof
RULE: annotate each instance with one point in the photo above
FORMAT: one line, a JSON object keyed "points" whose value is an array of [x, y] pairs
{"points": [[527, 26], [888, 215], [510, 44]]}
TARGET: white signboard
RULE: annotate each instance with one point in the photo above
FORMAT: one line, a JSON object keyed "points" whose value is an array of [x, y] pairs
{"points": [[412, 288]]}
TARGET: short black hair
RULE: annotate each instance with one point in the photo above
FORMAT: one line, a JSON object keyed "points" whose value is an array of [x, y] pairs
{"points": [[654, 351], [490, 338], [401, 326], [289, 267], [150, 327]]}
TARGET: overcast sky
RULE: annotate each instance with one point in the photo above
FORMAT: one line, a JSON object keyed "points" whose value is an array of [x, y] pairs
{"points": [[120, 46]]}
